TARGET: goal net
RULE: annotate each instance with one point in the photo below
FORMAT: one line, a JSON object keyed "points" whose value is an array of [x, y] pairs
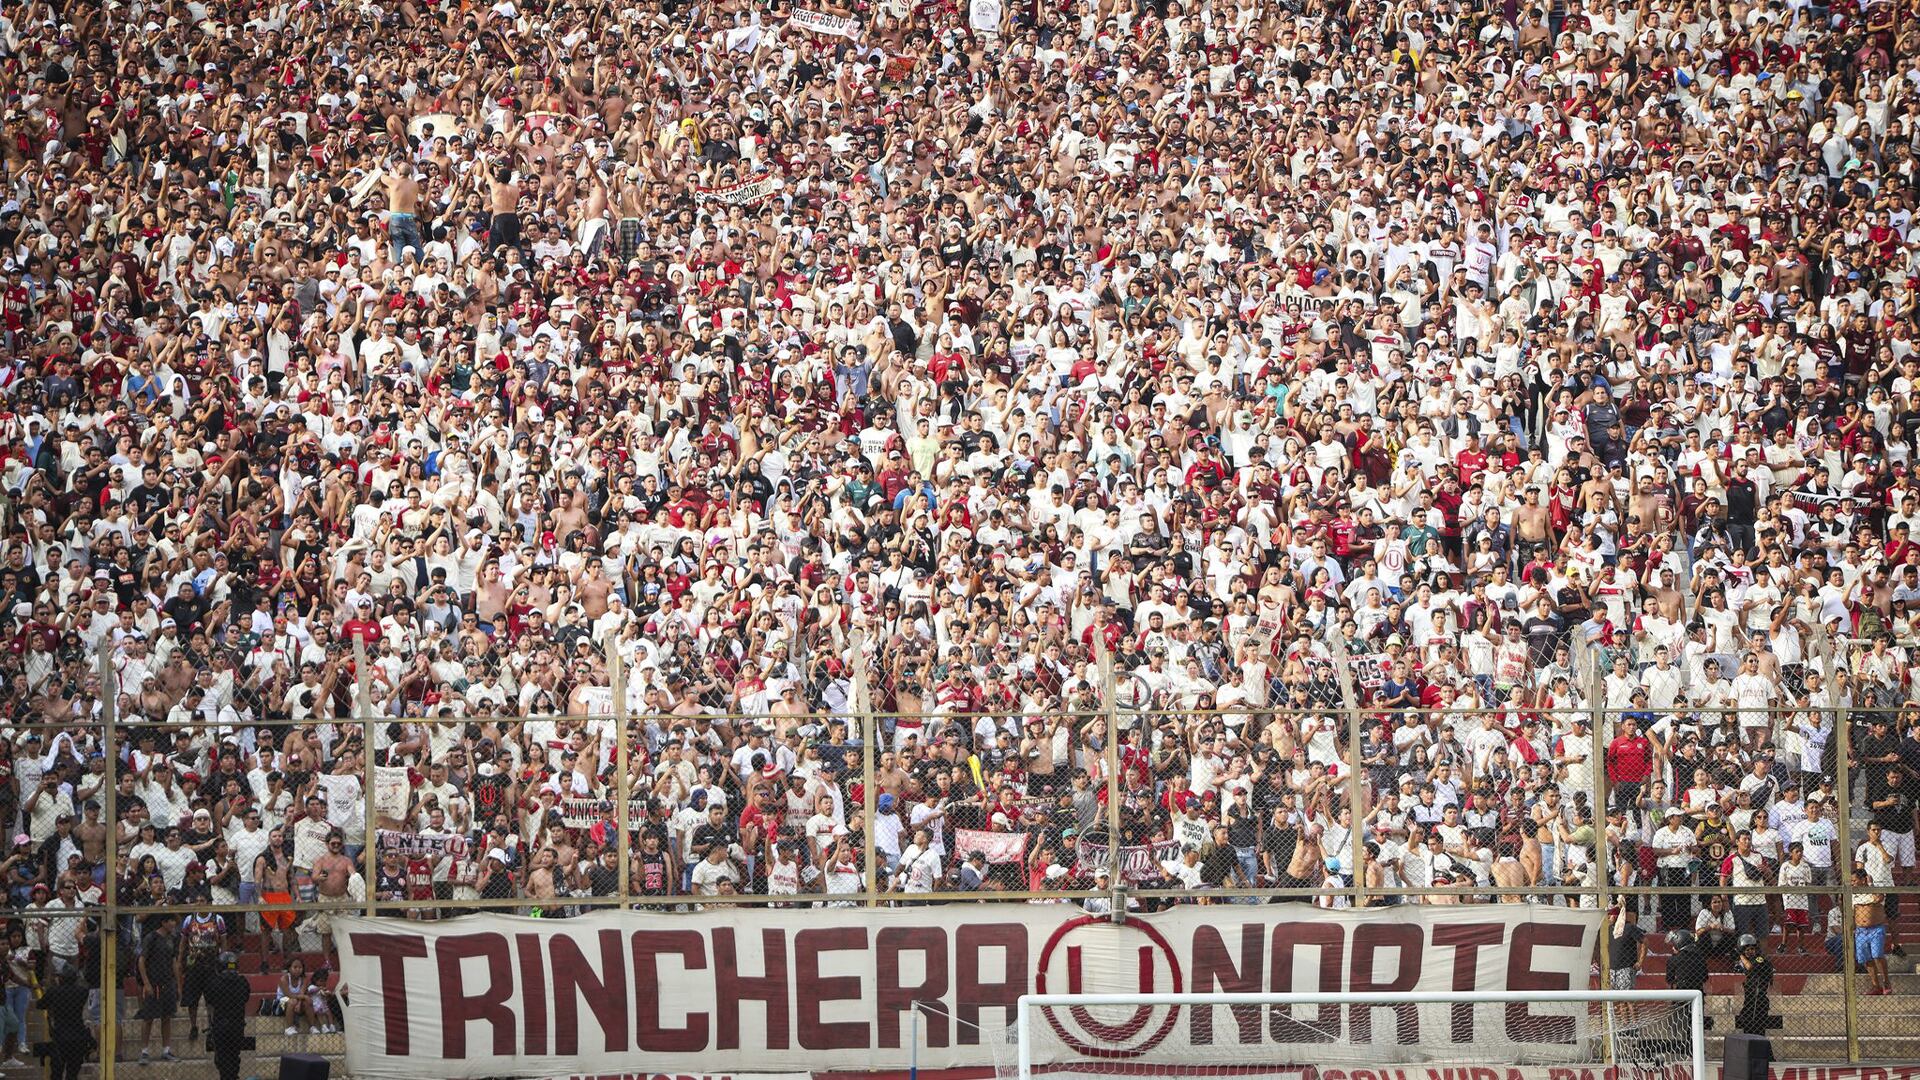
{"points": [[1545, 1035]]}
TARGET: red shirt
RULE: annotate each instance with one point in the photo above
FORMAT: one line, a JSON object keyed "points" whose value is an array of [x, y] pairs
{"points": [[1629, 759], [1471, 463], [1112, 632]]}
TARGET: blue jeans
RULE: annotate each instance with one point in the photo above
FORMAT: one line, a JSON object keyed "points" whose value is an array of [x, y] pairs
{"points": [[19, 1000], [1484, 684], [1249, 863], [404, 231]]}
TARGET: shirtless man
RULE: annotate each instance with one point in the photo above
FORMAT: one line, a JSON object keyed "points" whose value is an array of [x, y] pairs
{"points": [[1508, 874], [631, 208], [1667, 595], [594, 587], [1533, 524], [540, 882], [92, 836], [274, 877], [333, 870], [1304, 868], [503, 201], [566, 857], [1650, 505], [571, 515], [888, 776], [403, 201]]}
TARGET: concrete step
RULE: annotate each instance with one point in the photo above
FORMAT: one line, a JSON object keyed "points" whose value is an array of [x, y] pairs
{"points": [[1834, 983], [1791, 1050], [1834, 1025]]}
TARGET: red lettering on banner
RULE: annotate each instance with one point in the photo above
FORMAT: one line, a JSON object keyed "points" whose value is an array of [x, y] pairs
{"points": [[1522, 1024], [815, 988], [648, 947], [392, 951], [553, 991], [1466, 942], [892, 999], [1330, 940], [459, 1008], [533, 978], [976, 993], [606, 992], [730, 987], [1214, 971], [1369, 939]]}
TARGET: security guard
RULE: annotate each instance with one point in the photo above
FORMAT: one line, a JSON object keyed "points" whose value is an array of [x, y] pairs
{"points": [[227, 994], [69, 1041]]}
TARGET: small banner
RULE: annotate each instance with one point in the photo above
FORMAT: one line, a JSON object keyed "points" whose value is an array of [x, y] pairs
{"points": [[1138, 863], [390, 787], [746, 192], [1266, 629], [410, 844], [586, 813], [819, 22], [998, 847], [983, 17], [1192, 833], [899, 68]]}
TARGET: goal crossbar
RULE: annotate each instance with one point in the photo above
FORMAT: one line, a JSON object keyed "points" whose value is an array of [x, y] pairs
{"points": [[1694, 1001]]}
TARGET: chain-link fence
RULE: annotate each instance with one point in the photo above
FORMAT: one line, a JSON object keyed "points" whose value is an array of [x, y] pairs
{"points": [[215, 847]]}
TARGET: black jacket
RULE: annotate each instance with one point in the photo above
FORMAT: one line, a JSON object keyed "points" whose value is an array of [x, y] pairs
{"points": [[66, 1006], [1687, 969], [227, 997]]}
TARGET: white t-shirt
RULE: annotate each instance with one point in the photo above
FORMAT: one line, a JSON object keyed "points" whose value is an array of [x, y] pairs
{"points": [[1681, 840], [707, 876]]}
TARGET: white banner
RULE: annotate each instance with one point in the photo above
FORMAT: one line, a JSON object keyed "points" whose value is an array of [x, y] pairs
{"points": [[819, 22], [390, 787], [741, 990], [1140, 863], [748, 191], [983, 17], [998, 847], [414, 844], [1266, 628], [586, 813]]}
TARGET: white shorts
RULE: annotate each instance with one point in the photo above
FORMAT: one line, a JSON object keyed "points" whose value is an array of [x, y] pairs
{"points": [[1900, 846]]}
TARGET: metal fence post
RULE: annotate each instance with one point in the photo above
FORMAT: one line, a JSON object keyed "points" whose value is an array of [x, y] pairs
{"points": [[623, 777], [110, 897], [1110, 701], [868, 725], [1597, 759], [363, 705], [1356, 788], [1843, 866]]}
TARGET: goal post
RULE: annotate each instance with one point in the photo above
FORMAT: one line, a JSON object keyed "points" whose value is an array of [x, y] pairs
{"points": [[1457, 1035]]}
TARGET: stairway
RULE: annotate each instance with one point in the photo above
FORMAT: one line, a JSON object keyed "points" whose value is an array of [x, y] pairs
{"points": [[1807, 994], [195, 1062]]}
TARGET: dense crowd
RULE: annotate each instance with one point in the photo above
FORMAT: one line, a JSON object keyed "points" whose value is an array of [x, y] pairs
{"points": [[454, 366]]}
